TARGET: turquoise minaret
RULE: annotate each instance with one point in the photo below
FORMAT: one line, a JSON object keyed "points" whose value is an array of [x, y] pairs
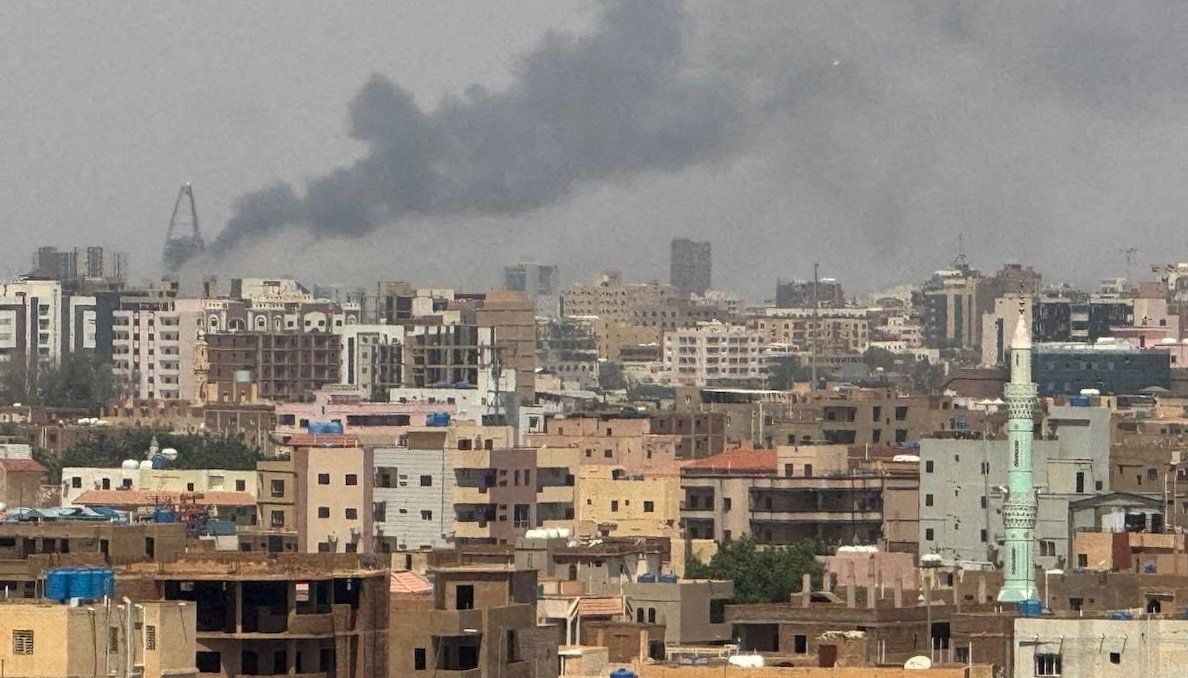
{"points": [[1018, 513]]}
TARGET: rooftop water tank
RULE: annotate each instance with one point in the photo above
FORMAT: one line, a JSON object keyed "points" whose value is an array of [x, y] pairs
{"points": [[57, 584]]}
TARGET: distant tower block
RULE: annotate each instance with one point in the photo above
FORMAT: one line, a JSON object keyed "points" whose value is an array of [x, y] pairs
{"points": [[182, 246]]}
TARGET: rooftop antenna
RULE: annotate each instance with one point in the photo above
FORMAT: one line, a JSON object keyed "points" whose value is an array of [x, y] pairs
{"points": [[960, 261], [181, 248]]}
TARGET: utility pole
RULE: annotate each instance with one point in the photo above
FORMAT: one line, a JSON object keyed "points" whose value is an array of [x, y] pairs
{"points": [[813, 333]]}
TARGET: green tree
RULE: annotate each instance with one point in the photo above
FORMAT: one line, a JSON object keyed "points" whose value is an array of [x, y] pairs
{"points": [[193, 451], [767, 575], [81, 381]]}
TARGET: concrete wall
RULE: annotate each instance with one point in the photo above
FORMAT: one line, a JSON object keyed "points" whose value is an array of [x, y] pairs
{"points": [[1098, 647], [404, 503], [337, 496]]}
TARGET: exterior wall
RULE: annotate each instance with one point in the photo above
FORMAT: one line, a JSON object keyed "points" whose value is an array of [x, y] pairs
{"points": [[713, 352], [284, 365], [1101, 647], [338, 532], [699, 434], [402, 491], [370, 356], [684, 608], [20, 488], [113, 543], [76, 480], [611, 299], [66, 640], [627, 443], [841, 331], [276, 502], [627, 505], [952, 479], [512, 316], [154, 346], [372, 422]]}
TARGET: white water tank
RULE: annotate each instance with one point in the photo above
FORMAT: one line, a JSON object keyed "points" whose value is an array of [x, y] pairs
{"points": [[130, 465]]}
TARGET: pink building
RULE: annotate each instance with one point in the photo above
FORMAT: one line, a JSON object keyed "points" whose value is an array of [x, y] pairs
{"points": [[371, 422]]}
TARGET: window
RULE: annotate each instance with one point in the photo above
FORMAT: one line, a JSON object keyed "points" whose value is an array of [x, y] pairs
{"points": [[323, 511], [240, 485], [277, 519], [150, 636], [649, 507], [983, 501], [113, 639], [209, 662], [76, 482], [150, 547], [278, 488], [1047, 547], [1047, 664], [189, 487], [426, 515], [800, 644], [1082, 560], [323, 478], [1115, 657], [928, 466], [928, 500], [426, 481], [717, 612], [352, 514], [419, 659], [928, 534], [651, 615], [725, 503], [983, 536], [352, 479], [614, 505], [22, 641]]}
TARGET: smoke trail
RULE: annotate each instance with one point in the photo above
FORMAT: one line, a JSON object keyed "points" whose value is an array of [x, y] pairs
{"points": [[615, 103]]}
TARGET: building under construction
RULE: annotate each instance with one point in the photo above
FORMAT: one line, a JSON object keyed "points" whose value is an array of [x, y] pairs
{"points": [[180, 247]]}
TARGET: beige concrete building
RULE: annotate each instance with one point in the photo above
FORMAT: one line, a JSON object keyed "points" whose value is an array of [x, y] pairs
{"points": [[20, 481], [831, 330], [334, 494], [480, 621], [513, 318], [76, 480], [612, 502], [611, 299], [612, 337], [51, 640], [276, 508], [622, 442], [714, 353]]}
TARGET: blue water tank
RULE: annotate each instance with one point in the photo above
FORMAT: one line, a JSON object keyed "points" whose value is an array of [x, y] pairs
{"points": [[647, 578], [159, 461], [622, 673], [98, 577], [332, 427], [1079, 401], [108, 581], [79, 585], [164, 515], [438, 419], [1030, 608], [314, 427], [57, 584], [668, 578]]}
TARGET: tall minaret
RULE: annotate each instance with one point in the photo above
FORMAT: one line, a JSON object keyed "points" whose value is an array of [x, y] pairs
{"points": [[1018, 513]]}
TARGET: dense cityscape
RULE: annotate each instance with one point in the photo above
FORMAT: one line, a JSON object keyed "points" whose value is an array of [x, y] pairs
{"points": [[977, 472]]}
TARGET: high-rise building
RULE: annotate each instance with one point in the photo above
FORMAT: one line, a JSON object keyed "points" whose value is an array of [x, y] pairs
{"points": [[538, 282], [826, 293], [690, 265], [79, 264]]}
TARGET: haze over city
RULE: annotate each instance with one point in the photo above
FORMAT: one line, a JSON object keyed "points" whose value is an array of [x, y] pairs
{"points": [[861, 137]]}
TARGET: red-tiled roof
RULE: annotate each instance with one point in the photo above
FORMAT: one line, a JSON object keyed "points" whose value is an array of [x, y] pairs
{"points": [[150, 498], [737, 460], [21, 465], [409, 583]]}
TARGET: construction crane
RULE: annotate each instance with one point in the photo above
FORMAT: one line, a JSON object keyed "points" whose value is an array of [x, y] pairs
{"points": [[181, 247]]}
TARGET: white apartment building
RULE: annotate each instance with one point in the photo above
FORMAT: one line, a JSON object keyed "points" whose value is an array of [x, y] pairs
{"points": [[31, 321], [713, 352], [155, 342], [370, 355]]}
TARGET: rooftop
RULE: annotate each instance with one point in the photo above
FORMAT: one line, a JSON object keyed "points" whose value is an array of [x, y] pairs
{"points": [[156, 497], [737, 460]]}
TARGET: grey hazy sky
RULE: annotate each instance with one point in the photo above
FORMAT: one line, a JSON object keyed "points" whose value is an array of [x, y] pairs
{"points": [[863, 135]]}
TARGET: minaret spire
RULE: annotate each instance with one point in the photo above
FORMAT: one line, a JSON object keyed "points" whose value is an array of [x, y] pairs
{"points": [[1018, 512]]}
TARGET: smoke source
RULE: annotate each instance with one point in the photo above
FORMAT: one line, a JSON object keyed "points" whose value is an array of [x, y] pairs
{"points": [[580, 109]]}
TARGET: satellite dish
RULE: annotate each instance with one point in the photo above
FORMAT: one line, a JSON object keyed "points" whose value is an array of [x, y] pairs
{"points": [[918, 663]]}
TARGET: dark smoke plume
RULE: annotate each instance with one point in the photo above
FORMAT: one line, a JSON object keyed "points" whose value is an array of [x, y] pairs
{"points": [[580, 109]]}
